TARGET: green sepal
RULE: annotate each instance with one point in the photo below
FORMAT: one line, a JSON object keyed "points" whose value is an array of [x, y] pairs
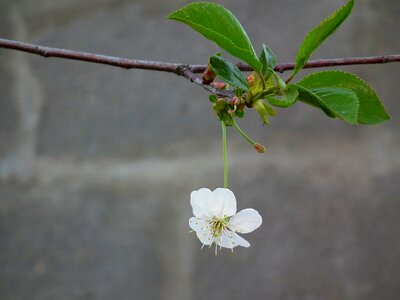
{"points": [[264, 110], [226, 118], [219, 107], [239, 113]]}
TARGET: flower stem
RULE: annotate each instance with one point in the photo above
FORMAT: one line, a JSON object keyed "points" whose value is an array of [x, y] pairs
{"points": [[262, 79], [260, 148], [225, 153], [253, 143]]}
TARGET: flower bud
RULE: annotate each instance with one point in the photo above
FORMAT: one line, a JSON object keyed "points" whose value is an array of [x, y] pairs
{"points": [[219, 106], [235, 100], [250, 79], [218, 85], [208, 75], [259, 148]]}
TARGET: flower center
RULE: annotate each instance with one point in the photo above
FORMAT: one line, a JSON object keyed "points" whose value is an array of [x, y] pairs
{"points": [[219, 226]]}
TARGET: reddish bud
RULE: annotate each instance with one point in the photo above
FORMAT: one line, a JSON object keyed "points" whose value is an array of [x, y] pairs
{"points": [[218, 85], [250, 79], [208, 76], [235, 100], [259, 148]]}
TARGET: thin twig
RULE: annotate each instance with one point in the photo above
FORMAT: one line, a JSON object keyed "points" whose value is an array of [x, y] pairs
{"points": [[174, 67], [184, 70]]}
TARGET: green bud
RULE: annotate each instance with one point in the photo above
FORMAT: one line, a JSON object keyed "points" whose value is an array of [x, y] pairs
{"points": [[219, 106], [226, 118]]}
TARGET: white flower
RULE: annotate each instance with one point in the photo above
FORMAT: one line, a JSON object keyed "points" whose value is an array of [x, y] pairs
{"points": [[216, 221]]}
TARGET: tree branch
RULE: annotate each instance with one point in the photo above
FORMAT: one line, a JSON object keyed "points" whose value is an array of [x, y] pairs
{"points": [[184, 70]]}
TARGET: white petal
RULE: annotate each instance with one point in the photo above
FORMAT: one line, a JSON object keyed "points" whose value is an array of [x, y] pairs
{"points": [[223, 203], [245, 221], [229, 239], [203, 230], [199, 201]]}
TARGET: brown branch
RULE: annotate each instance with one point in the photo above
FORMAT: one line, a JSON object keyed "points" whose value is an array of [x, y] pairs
{"points": [[334, 62], [184, 70]]}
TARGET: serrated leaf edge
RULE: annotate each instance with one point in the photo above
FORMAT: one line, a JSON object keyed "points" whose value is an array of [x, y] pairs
{"points": [[354, 76], [331, 16]]}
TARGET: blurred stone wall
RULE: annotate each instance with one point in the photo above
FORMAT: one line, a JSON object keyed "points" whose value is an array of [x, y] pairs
{"points": [[97, 163]]}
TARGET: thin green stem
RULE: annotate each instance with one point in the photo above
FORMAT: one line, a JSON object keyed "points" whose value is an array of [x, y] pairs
{"points": [[264, 84], [289, 79], [225, 153], [243, 134], [262, 94]]}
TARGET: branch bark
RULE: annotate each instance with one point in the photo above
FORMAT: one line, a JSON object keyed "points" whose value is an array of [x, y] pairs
{"points": [[180, 69]]}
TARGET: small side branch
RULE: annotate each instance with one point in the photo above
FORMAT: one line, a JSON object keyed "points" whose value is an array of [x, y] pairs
{"points": [[185, 71]]}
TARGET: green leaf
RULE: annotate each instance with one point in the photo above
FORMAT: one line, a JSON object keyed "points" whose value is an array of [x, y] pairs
{"points": [[228, 72], [219, 25], [288, 98], [343, 103], [335, 102], [268, 61], [371, 110], [212, 98], [307, 96], [319, 34], [279, 81]]}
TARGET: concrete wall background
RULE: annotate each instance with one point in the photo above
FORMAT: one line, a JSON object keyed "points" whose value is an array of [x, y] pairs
{"points": [[97, 163]]}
